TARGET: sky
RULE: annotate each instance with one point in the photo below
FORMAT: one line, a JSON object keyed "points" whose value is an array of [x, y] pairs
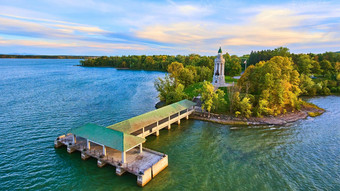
{"points": [[154, 27]]}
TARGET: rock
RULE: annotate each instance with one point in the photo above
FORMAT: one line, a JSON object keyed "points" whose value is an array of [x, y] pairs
{"points": [[160, 104]]}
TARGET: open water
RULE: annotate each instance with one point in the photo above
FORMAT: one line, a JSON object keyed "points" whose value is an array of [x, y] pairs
{"points": [[41, 99]]}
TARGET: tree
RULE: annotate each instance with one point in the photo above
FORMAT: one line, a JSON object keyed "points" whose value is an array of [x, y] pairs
{"points": [[306, 85], [203, 73], [235, 102], [149, 63], [265, 55], [207, 95], [263, 108], [212, 100], [175, 68], [234, 98], [233, 66], [176, 95], [164, 86], [274, 81], [337, 67], [316, 69], [218, 100], [304, 63], [327, 68], [245, 107], [169, 90], [186, 77]]}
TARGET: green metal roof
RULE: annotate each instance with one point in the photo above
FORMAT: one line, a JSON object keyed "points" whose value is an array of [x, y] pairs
{"points": [[133, 124], [220, 50], [108, 137]]}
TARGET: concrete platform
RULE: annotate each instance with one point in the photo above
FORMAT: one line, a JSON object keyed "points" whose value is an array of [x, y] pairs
{"points": [[145, 165]]}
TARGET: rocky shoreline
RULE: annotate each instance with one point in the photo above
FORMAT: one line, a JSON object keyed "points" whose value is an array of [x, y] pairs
{"points": [[267, 120]]}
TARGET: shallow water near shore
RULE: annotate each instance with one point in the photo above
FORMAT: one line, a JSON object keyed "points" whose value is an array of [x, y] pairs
{"points": [[43, 98]]}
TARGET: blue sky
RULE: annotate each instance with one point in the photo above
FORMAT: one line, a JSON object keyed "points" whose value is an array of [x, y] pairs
{"points": [[100, 27]]}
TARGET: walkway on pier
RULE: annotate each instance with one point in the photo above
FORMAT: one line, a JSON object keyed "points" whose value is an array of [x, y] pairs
{"points": [[151, 122]]}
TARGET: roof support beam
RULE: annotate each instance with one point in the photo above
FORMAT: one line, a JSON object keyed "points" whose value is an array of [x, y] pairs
{"points": [[123, 157], [88, 144], [74, 139], [104, 150], [169, 124], [140, 148], [179, 119]]}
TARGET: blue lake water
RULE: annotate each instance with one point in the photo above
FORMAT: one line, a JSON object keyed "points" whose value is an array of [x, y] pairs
{"points": [[42, 98]]}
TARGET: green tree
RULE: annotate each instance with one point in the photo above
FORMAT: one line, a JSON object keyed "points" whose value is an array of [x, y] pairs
{"points": [[245, 107], [175, 68], [204, 73], [327, 68], [316, 69], [304, 64], [212, 100], [233, 66], [235, 102], [149, 63], [169, 90], [186, 77], [207, 96], [164, 86], [337, 67], [263, 108], [176, 95], [306, 85], [274, 81], [218, 100]]}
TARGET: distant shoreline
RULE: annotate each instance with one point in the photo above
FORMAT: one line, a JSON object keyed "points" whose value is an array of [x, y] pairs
{"points": [[12, 56], [119, 68]]}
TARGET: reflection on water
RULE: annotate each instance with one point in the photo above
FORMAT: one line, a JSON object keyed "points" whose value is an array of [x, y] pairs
{"points": [[41, 99]]}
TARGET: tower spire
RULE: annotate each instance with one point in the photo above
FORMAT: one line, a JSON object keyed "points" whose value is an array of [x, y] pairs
{"points": [[220, 50]]}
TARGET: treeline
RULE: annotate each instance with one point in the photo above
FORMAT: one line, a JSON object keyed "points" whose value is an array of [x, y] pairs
{"points": [[265, 55], [161, 62], [45, 56], [155, 62], [319, 73]]}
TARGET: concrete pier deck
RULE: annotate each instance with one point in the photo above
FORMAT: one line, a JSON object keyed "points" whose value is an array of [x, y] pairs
{"points": [[145, 165]]}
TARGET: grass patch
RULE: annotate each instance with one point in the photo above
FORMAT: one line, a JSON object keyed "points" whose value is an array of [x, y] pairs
{"points": [[314, 114], [229, 79], [310, 105]]}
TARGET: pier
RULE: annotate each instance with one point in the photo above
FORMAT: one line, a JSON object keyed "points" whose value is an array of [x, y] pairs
{"points": [[121, 144]]}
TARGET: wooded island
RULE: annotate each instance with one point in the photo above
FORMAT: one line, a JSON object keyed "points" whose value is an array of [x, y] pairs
{"points": [[271, 85]]}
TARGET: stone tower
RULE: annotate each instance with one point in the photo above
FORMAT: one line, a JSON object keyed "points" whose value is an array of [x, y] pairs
{"points": [[218, 79]]}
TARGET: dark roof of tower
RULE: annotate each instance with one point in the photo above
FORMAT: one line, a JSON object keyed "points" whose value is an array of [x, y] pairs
{"points": [[220, 50]]}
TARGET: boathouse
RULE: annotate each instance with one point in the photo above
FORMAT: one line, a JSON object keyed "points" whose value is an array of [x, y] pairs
{"points": [[120, 145]]}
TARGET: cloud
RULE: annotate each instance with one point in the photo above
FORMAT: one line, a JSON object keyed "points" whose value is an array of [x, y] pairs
{"points": [[52, 34], [170, 26], [108, 47], [265, 28]]}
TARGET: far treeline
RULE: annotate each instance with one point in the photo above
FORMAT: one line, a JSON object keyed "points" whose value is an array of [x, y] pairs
{"points": [[45, 56], [272, 83]]}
